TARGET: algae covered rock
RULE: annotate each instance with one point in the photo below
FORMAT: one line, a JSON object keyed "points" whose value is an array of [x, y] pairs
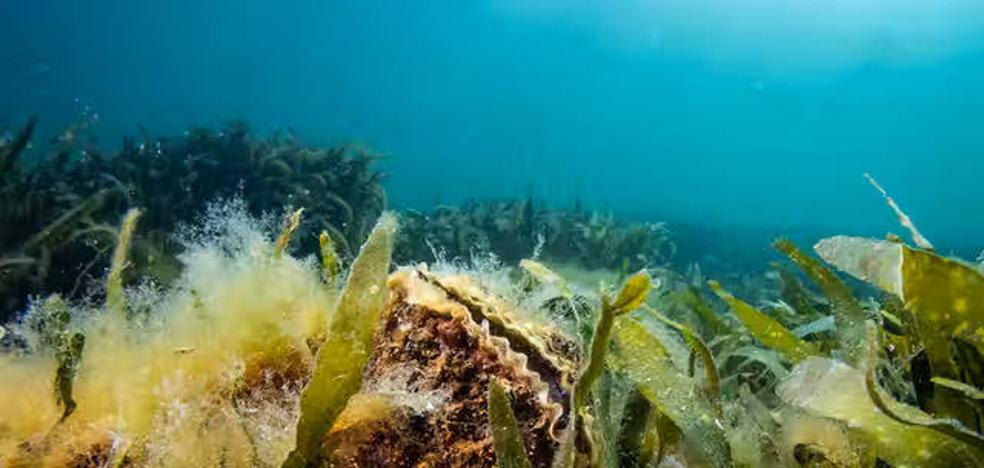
{"points": [[424, 398]]}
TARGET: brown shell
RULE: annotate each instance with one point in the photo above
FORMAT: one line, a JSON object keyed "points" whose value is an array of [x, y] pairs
{"points": [[446, 337]]}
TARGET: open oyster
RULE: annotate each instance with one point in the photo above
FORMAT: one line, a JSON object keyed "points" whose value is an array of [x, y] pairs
{"points": [[423, 401]]}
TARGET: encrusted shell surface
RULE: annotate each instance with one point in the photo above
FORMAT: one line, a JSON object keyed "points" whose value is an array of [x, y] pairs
{"points": [[423, 401]]}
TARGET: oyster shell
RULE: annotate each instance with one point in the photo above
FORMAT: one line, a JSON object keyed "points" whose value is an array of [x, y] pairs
{"points": [[423, 401]]}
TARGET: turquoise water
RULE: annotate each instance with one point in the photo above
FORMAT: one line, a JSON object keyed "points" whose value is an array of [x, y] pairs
{"points": [[754, 113]]}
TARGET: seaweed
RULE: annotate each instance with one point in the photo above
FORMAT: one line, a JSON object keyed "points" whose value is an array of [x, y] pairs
{"points": [[115, 301], [10, 153], [464, 353], [968, 390], [546, 276], [905, 414], [699, 349], [904, 219], [632, 294], [639, 436], [512, 230], [330, 265], [350, 335], [509, 449], [51, 323], [566, 453], [293, 222], [895, 442], [56, 216], [233, 318], [69, 355], [671, 393], [765, 329], [850, 316], [795, 294], [943, 295], [715, 324]]}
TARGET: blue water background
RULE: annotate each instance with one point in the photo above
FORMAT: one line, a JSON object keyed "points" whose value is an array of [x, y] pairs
{"points": [[760, 114]]}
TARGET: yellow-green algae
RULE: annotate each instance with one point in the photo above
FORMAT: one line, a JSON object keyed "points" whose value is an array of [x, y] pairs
{"points": [[832, 389], [115, 301], [629, 298], [330, 264], [715, 323], [671, 392], [969, 391], [293, 222], [632, 294], [639, 439], [904, 413], [945, 298], [510, 451], [697, 348], [232, 315], [340, 359], [154, 391], [849, 314], [767, 330], [545, 275]]}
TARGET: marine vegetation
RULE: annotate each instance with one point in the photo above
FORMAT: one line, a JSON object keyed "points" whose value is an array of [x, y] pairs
{"points": [[58, 215], [513, 230], [257, 356]]}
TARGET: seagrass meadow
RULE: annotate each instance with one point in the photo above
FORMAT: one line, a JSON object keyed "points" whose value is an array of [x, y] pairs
{"points": [[499, 333]]}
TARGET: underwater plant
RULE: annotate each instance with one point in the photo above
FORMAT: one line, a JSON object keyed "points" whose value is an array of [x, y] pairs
{"points": [[255, 356], [514, 230], [237, 361], [350, 334], [58, 216], [44, 221], [223, 350]]}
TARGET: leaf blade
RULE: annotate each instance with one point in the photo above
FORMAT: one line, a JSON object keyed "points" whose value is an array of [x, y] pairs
{"points": [[510, 451], [765, 329], [336, 379]]}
